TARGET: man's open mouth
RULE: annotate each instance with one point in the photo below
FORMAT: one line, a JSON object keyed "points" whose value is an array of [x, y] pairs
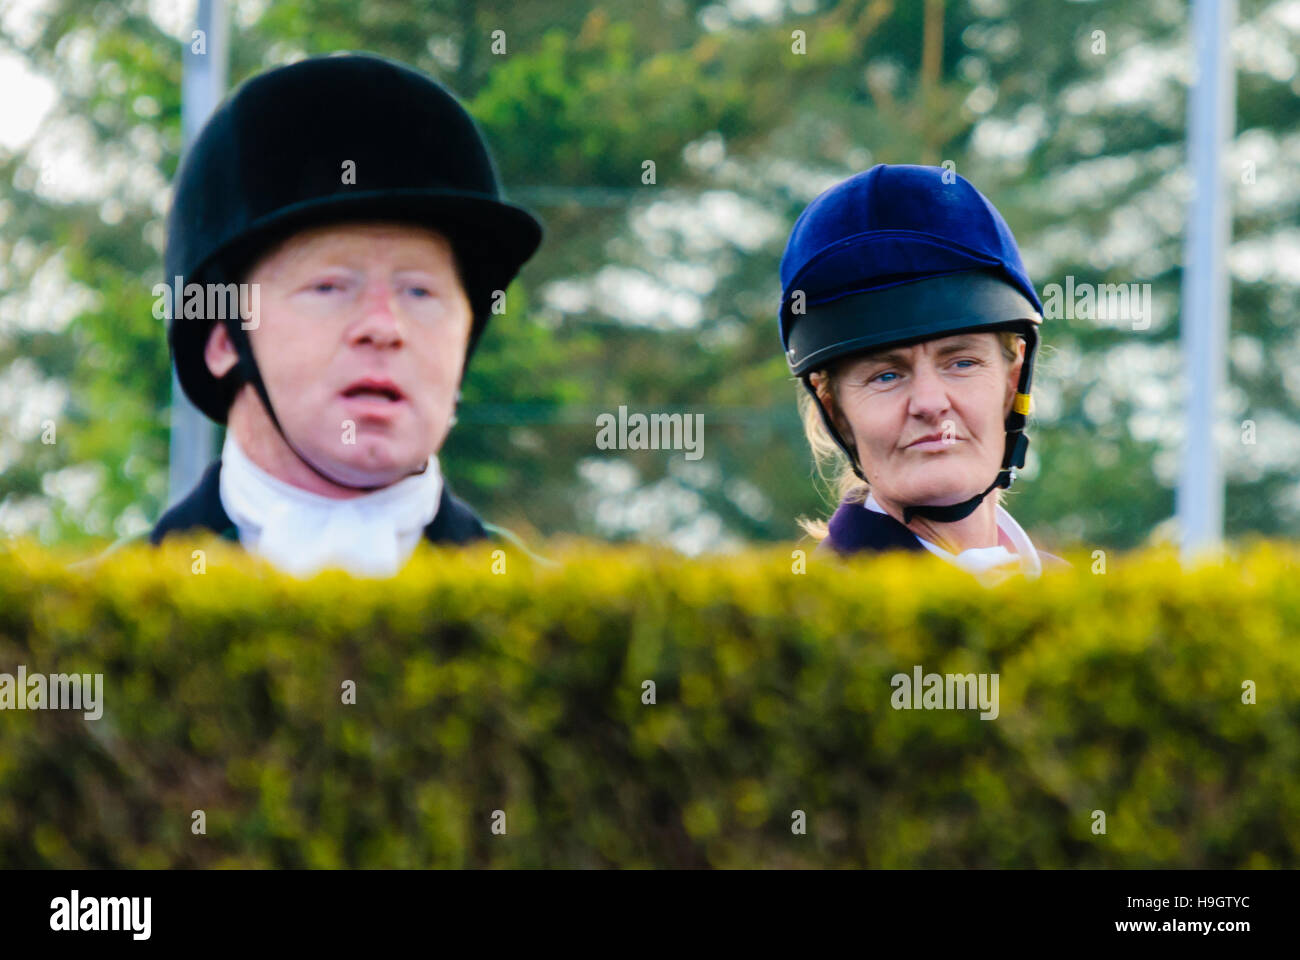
{"points": [[375, 389]]}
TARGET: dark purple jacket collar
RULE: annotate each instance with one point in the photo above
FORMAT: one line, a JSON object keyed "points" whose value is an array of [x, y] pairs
{"points": [[855, 527]]}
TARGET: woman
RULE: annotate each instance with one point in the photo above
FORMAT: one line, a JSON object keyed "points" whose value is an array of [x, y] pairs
{"points": [[909, 318]]}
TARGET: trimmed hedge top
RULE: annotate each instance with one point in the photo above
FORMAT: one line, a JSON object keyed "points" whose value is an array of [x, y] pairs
{"points": [[500, 715]]}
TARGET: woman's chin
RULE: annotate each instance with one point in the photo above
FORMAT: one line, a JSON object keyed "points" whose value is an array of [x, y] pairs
{"points": [[940, 491]]}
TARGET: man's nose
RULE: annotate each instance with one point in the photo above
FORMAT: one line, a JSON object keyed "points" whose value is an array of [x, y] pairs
{"points": [[381, 317]]}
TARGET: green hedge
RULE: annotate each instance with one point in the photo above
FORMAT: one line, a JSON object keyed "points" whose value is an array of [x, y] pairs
{"points": [[522, 692]]}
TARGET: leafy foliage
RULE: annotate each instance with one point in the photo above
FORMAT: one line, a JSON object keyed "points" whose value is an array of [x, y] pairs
{"points": [[524, 692], [1079, 148]]}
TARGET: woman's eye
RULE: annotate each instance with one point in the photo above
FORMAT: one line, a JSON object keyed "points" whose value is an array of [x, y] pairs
{"points": [[967, 361], [880, 377], [325, 286], [421, 292]]}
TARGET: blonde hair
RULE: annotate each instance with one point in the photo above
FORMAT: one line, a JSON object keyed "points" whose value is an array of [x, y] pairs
{"points": [[833, 469]]}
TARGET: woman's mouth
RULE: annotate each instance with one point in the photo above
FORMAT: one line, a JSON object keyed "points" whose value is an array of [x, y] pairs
{"points": [[934, 442]]}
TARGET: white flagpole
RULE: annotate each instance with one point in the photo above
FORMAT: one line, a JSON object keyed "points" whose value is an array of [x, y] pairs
{"points": [[1211, 119]]}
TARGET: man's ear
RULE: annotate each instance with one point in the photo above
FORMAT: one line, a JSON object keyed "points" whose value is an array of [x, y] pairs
{"points": [[219, 354]]}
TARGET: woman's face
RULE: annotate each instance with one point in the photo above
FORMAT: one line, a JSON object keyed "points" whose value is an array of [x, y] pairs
{"points": [[928, 420]]}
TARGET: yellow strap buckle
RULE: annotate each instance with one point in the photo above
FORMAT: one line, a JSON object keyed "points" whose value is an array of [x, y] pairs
{"points": [[1022, 404]]}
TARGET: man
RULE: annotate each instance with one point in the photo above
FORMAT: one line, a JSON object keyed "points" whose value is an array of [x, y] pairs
{"points": [[356, 204]]}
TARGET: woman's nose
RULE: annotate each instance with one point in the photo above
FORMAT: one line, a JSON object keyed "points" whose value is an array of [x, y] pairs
{"points": [[929, 392]]}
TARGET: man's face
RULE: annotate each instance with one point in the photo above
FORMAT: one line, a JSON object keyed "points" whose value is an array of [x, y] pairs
{"points": [[929, 419], [360, 338]]}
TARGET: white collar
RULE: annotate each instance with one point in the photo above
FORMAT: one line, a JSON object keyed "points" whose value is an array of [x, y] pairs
{"points": [[302, 532], [977, 560]]}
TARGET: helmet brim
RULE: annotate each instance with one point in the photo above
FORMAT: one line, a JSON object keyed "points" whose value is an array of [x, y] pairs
{"points": [[905, 313]]}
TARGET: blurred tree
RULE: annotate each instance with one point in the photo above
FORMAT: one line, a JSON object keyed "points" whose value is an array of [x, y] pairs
{"points": [[661, 296]]}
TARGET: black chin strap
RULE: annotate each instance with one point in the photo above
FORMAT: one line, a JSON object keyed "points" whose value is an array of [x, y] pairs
{"points": [[1013, 455], [247, 367]]}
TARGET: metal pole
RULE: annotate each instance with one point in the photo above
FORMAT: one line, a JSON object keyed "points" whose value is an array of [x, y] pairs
{"points": [[203, 81], [1211, 120]]}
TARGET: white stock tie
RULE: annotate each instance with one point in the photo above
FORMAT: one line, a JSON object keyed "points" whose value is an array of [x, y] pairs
{"points": [[372, 535]]}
